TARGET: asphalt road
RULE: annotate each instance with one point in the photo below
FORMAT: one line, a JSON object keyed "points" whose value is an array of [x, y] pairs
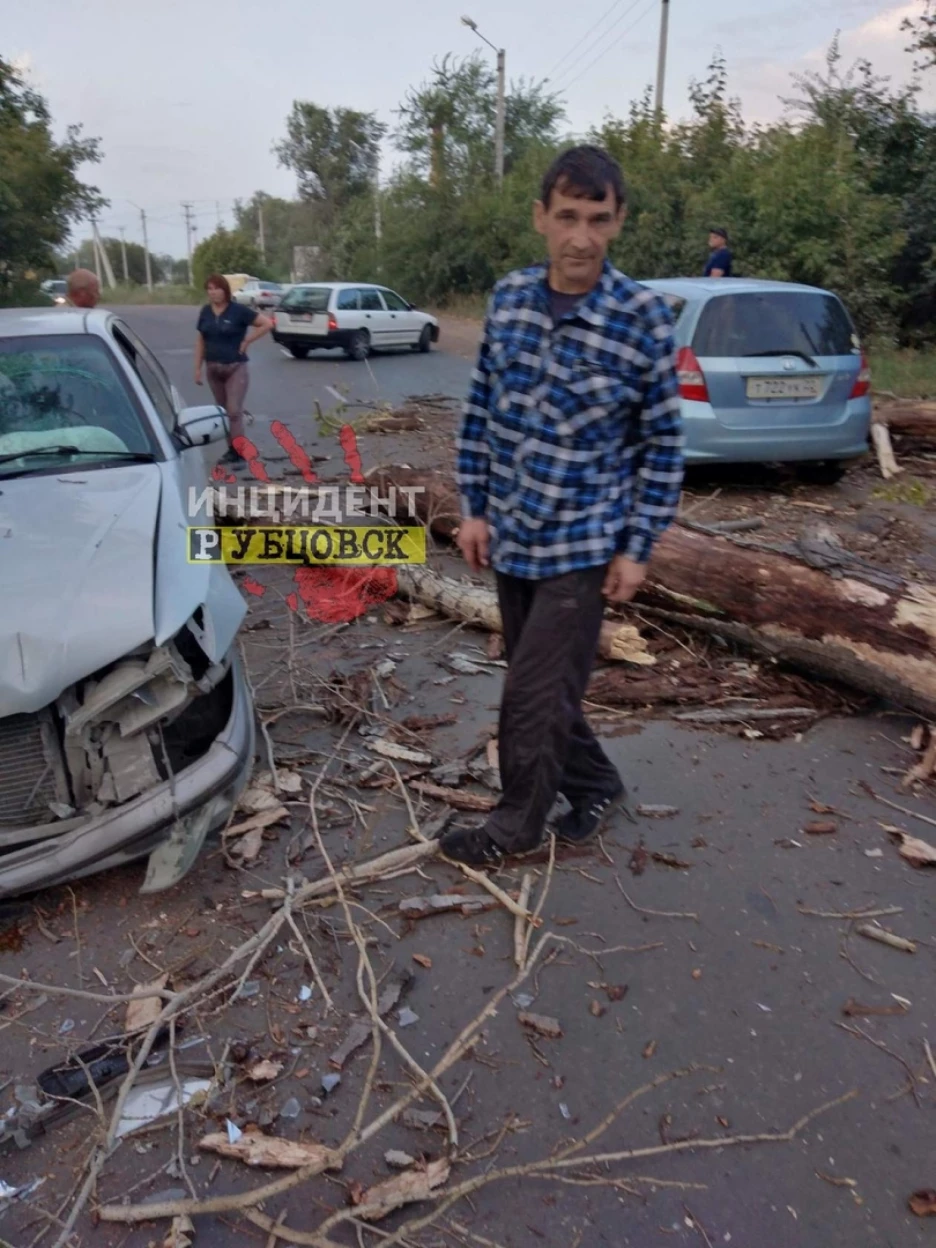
{"points": [[751, 988], [282, 388]]}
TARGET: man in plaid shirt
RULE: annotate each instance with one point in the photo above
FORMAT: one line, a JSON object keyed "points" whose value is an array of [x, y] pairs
{"points": [[570, 467]]}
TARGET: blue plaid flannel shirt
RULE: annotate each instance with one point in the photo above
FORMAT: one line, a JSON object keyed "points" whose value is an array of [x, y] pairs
{"points": [[571, 442]]}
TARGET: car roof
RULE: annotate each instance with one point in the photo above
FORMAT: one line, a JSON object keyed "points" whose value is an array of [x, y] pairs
{"points": [[340, 285], [705, 287], [32, 322]]}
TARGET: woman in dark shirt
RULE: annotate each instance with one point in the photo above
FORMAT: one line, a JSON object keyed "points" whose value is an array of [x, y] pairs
{"points": [[221, 343]]}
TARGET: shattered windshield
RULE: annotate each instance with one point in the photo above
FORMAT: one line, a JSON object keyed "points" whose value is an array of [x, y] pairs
{"points": [[64, 391]]}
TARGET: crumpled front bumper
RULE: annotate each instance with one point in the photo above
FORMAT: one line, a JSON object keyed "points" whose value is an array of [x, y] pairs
{"points": [[169, 822]]}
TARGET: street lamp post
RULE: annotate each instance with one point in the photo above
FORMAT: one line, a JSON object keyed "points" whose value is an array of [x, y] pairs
{"points": [[501, 99]]}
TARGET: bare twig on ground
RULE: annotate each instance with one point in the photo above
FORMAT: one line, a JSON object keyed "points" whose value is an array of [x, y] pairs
{"points": [[520, 927], [658, 914], [851, 914], [878, 1044]]}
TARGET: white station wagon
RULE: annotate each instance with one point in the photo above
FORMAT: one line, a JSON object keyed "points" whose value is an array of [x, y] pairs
{"points": [[356, 317]]}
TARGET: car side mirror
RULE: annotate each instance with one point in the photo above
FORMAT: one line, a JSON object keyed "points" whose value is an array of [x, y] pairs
{"points": [[411, 306], [197, 426]]}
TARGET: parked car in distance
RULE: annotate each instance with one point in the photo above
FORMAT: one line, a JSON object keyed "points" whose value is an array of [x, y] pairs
{"points": [[55, 288], [259, 294], [126, 721], [356, 317], [769, 372]]}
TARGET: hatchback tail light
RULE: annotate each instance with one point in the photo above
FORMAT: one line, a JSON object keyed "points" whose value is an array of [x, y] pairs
{"points": [[332, 325], [862, 384], [690, 377]]}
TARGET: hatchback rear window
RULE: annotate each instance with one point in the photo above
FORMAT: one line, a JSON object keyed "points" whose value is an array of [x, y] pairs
{"points": [[772, 322], [307, 299]]}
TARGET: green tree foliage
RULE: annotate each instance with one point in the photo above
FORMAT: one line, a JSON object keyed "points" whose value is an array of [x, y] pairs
{"points": [[333, 152], [922, 31], [841, 193], [40, 191], [286, 224], [136, 260], [226, 251]]}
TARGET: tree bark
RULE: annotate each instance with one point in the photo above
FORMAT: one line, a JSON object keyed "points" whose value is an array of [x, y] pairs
{"points": [[813, 606], [911, 420], [619, 641]]}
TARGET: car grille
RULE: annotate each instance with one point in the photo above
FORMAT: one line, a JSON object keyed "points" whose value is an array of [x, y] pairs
{"points": [[27, 774]]}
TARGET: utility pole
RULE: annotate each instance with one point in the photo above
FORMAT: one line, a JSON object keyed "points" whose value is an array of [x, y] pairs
{"points": [[218, 212], [146, 253], [123, 253], [262, 236], [187, 210], [661, 61], [103, 261], [500, 116], [94, 249]]}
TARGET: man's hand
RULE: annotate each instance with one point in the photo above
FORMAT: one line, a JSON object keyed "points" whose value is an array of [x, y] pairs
{"points": [[198, 376], [624, 578], [474, 538]]}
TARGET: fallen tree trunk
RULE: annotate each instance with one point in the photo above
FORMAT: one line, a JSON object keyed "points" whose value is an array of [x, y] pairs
{"points": [[619, 641], [813, 606], [910, 420]]}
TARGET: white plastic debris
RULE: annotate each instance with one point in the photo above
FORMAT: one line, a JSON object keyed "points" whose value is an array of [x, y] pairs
{"points": [[564, 1110], [146, 1105], [407, 1017], [305, 992], [234, 1132]]}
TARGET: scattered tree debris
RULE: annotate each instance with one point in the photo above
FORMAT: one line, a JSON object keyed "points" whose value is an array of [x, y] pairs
{"points": [[254, 1148], [455, 798], [541, 1024], [413, 1185], [855, 1009], [264, 1071], [821, 828], [445, 903], [670, 860], [885, 938], [400, 753], [918, 853], [657, 812], [637, 863], [923, 1203], [144, 1012]]}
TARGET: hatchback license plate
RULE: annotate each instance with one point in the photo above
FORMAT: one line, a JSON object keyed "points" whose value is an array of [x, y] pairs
{"points": [[784, 387]]}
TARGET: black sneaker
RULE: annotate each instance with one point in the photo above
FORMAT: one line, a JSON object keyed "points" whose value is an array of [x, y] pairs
{"points": [[472, 846], [231, 456], [583, 821]]}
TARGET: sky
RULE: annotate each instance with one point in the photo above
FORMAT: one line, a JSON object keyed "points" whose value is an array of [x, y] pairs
{"points": [[188, 97]]}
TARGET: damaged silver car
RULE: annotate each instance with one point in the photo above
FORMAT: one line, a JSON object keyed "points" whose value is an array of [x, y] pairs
{"points": [[126, 721]]}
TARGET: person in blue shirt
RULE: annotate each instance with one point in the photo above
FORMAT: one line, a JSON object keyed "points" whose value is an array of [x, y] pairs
{"points": [[570, 464], [719, 261], [221, 344]]}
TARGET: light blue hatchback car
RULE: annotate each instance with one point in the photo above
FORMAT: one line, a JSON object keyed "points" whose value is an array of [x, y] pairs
{"points": [[769, 372]]}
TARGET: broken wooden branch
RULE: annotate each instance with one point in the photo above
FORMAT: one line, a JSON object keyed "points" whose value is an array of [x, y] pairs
{"points": [[812, 605]]}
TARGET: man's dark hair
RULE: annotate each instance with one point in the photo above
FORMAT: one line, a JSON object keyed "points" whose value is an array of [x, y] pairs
{"points": [[720, 231], [584, 172]]}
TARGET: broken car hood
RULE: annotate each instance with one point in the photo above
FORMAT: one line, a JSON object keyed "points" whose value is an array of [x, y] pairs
{"points": [[76, 577]]}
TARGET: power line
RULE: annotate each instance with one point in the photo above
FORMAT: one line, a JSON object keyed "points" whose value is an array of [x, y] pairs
{"points": [[611, 46], [588, 33], [595, 42]]}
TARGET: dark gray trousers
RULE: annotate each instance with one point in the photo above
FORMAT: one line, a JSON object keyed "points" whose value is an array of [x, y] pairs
{"points": [[551, 630]]}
